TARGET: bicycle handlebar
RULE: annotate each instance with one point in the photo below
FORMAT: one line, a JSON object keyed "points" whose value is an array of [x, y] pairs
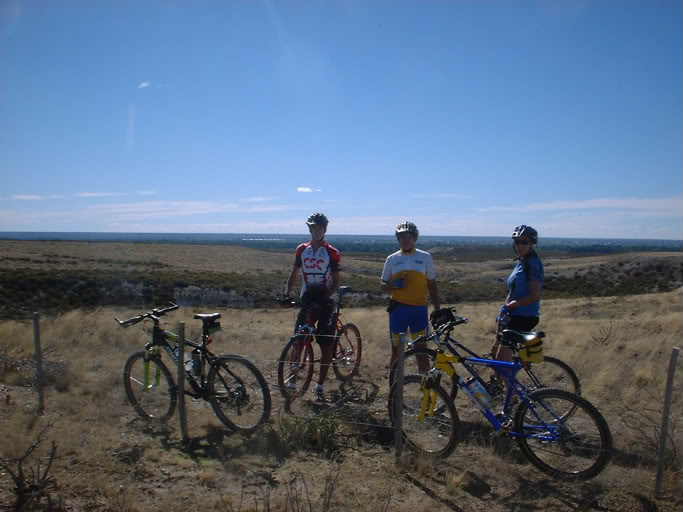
{"points": [[288, 301], [154, 315], [448, 326]]}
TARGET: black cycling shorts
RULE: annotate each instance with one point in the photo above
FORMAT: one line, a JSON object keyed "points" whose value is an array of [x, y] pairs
{"points": [[522, 323], [322, 316]]}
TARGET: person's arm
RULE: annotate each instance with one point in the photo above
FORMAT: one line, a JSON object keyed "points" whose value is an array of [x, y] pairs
{"points": [[534, 295], [291, 282], [385, 284], [434, 293], [386, 287]]}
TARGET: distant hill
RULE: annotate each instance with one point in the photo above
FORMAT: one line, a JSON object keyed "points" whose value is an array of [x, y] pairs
{"points": [[62, 275]]}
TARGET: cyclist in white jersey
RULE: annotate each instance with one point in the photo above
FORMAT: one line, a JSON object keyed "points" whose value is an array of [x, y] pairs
{"points": [[319, 263]]}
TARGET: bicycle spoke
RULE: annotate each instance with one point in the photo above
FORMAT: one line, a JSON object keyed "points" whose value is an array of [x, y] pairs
{"points": [[238, 393], [574, 446], [347, 352], [157, 400], [435, 432], [295, 368]]}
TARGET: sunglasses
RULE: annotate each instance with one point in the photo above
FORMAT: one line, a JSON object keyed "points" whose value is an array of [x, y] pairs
{"points": [[522, 242]]}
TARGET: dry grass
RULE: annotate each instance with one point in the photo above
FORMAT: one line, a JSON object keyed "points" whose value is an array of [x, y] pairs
{"points": [[108, 459]]}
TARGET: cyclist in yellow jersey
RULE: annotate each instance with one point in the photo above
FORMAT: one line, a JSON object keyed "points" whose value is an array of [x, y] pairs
{"points": [[408, 275]]}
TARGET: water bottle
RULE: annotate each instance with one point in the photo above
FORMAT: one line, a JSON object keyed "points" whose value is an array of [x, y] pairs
{"points": [[196, 362], [188, 359], [480, 393]]}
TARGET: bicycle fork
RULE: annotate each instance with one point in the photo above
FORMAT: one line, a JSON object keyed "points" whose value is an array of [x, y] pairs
{"points": [[429, 398], [145, 371]]}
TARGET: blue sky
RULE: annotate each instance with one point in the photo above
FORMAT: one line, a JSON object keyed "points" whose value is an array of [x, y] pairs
{"points": [[245, 116]]}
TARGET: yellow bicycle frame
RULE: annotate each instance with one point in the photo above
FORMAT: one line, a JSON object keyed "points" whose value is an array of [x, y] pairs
{"points": [[444, 362]]}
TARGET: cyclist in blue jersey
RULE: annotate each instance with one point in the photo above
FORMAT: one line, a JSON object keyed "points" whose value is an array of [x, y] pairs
{"points": [[522, 306]]}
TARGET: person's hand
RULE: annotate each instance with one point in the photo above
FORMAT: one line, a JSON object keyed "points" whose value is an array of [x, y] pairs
{"points": [[398, 283], [504, 317]]}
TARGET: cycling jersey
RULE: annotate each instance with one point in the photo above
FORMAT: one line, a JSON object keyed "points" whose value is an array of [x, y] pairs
{"points": [[317, 266], [415, 268], [526, 270]]}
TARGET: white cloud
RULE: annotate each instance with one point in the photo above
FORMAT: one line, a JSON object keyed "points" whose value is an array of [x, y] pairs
{"points": [[27, 197], [452, 196], [666, 206], [144, 85], [159, 209], [98, 194], [33, 197], [304, 189], [258, 199]]}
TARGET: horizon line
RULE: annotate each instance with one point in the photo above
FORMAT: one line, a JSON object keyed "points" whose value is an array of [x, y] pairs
{"points": [[329, 235]]}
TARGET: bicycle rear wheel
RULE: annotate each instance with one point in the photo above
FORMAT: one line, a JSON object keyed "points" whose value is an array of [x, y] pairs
{"points": [[434, 434], [149, 386], [295, 367], [238, 393], [575, 447], [347, 352], [551, 373]]}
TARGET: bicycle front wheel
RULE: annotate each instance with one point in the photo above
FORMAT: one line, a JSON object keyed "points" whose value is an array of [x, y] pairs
{"points": [[347, 352], [295, 367], [149, 386], [238, 393], [430, 427], [578, 446]]}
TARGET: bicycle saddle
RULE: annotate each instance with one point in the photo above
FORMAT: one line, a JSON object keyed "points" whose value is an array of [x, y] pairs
{"points": [[511, 337], [207, 317]]}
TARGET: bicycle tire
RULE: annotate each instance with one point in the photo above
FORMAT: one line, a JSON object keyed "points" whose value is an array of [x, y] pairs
{"points": [[347, 352], [238, 393], [295, 361], [551, 373], [410, 366], [580, 446], [435, 435], [156, 402]]}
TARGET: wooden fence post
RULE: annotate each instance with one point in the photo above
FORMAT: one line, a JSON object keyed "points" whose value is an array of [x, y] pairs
{"points": [[39, 362], [181, 381], [664, 432], [398, 399]]}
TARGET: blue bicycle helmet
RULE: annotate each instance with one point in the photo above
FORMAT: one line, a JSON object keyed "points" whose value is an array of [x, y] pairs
{"points": [[526, 231]]}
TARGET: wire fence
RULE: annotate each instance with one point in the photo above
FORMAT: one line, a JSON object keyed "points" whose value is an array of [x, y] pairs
{"points": [[357, 402]]}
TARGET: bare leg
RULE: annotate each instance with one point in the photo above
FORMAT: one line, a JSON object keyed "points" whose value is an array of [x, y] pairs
{"points": [[423, 362], [325, 361]]}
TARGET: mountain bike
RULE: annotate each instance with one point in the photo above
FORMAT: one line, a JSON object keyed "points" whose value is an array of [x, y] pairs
{"points": [[564, 446], [297, 361], [550, 373], [233, 386]]}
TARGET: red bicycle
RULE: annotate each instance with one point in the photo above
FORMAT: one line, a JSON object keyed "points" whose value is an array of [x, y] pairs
{"points": [[297, 361]]}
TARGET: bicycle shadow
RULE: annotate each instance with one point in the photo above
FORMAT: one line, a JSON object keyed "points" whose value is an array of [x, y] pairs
{"points": [[351, 402], [585, 496], [214, 444]]}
